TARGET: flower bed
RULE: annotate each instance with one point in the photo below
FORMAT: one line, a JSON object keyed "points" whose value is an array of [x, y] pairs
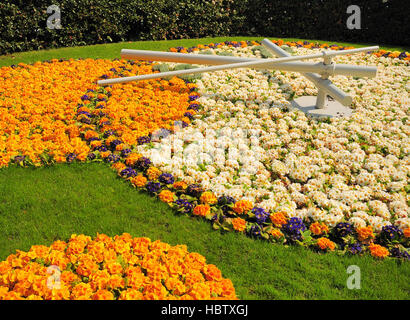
{"points": [[273, 173], [248, 162], [105, 268]]}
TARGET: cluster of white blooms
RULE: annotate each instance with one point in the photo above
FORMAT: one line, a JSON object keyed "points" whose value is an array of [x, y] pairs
{"points": [[247, 142]]}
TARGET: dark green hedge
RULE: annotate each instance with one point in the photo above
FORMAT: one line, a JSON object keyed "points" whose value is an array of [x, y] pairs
{"points": [[23, 22], [381, 22]]}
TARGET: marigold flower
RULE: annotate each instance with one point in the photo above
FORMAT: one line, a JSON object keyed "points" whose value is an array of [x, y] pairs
{"points": [[278, 219], [406, 232], [139, 181], [153, 173], [166, 196], [324, 243], [378, 251], [212, 273], [276, 233], [202, 210], [239, 224], [208, 198], [318, 228], [131, 294], [103, 295], [163, 272], [180, 185], [365, 233], [242, 206]]}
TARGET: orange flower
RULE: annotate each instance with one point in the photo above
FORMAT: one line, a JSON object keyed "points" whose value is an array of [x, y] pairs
{"points": [[166, 196], [276, 233], [378, 251], [103, 295], [114, 268], [163, 272], [406, 232], [139, 181], [176, 286], [318, 228], [208, 198], [180, 185], [242, 206], [132, 158], [365, 233], [324, 243], [131, 294], [239, 224], [212, 273], [202, 210], [278, 219], [153, 173]]}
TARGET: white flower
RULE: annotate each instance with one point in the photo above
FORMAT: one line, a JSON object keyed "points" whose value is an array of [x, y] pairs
{"points": [[357, 222]]}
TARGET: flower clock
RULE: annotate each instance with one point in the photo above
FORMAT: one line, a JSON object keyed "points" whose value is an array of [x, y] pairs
{"points": [[225, 147]]}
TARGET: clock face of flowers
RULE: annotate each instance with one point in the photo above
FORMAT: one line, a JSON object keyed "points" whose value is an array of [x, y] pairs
{"points": [[228, 147]]}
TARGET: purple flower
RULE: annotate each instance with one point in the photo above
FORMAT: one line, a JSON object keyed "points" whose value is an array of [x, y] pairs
{"points": [[115, 143], [113, 158], [224, 202], [293, 228], [402, 55], [101, 148], [194, 190], [84, 113], [166, 178], [19, 159], [343, 229], [255, 231], [143, 140], [355, 248], [91, 156], [397, 253], [128, 172], [108, 133], [153, 187], [85, 97], [189, 115], [193, 97], [193, 106], [105, 123], [184, 205], [390, 233], [142, 163], [125, 152], [260, 215], [71, 157], [85, 120]]}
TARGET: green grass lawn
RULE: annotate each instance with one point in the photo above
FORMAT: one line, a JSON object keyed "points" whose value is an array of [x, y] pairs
{"points": [[110, 51], [38, 206]]}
